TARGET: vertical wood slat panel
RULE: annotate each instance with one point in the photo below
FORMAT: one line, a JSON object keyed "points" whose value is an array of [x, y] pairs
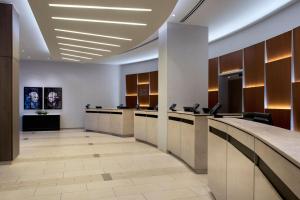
{"points": [[213, 99], [278, 83], [213, 74], [231, 61], [281, 117], [297, 53], [254, 65], [296, 105], [279, 47], [254, 99]]}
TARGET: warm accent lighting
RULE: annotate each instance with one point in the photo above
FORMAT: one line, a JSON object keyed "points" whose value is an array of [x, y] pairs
{"points": [[65, 54], [93, 54], [278, 107], [233, 71], [84, 47], [144, 105], [143, 83], [279, 58], [131, 95], [71, 59], [100, 7], [153, 94], [254, 86], [92, 34], [213, 90], [87, 41], [99, 21]]}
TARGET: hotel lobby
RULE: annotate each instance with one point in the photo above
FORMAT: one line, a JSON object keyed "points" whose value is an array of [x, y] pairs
{"points": [[150, 100]]}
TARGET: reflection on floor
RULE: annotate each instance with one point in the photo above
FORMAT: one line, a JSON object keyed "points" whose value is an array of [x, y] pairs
{"points": [[74, 164]]}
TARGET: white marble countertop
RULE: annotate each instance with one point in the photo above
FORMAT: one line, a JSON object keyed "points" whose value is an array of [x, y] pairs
{"points": [[188, 113], [107, 109], [285, 142], [147, 111]]}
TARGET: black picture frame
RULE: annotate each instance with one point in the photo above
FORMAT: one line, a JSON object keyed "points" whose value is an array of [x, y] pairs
{"points": [[53, 98]]}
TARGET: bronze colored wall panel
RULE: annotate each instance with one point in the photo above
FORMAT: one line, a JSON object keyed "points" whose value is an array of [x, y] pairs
{"points": [[281, 118], [279, 47], [154, 82], [131, 84], [131, 101], [296, 105], [143, 95], [278, 84], [213, 99], [144, 78], [153, 100], [254, 65], [231, 61], [254, 99], [6, 30], [297, 53], [213, 77]]}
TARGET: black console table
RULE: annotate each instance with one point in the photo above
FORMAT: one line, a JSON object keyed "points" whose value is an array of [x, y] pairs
{"points": [[41, 122]]}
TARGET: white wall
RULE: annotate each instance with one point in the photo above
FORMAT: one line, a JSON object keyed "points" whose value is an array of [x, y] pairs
{"points": [[135, 68], [81, 84], [285, 20]]}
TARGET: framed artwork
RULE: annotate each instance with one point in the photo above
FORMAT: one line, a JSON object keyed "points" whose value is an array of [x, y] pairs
{"points": [[33, 98], [52, 98]]}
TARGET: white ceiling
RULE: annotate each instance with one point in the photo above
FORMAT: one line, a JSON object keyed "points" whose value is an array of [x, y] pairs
{"points": [[223, 17]]}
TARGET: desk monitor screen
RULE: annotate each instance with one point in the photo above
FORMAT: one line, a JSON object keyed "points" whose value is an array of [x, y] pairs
{"points": [[215, 109]]}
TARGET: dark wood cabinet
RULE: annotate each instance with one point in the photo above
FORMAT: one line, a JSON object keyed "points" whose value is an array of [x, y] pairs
{"points": [[41, 122]]}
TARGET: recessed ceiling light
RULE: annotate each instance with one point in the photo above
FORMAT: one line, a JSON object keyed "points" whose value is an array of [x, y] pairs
{"points": [[92, 34], [101, 7], [93, 54], [87, 41], [84, 47], [173, 15], [66, 54], [99, 21], [64, 58]]}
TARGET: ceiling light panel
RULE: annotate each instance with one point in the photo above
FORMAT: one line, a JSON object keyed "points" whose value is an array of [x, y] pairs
{"points": [[93, 23], [70, 59], [99, 21], [92, 34], [83, 47], [83, 52], [76, 56], [100, 7], [87, 41]]}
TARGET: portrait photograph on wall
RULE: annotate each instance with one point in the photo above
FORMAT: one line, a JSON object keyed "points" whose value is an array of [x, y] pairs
{"points": [[52, 98], [33, 98]]}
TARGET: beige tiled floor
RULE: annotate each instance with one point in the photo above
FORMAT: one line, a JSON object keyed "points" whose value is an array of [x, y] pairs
{"points": [[64, 166]]}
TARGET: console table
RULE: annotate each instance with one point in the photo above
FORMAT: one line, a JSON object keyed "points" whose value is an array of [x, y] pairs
{"points": [[41, 122]]}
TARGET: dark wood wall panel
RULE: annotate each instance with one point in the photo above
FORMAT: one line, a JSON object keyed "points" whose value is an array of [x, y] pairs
{"points": [[297, 53], [278, 83], [254, 65], [131, 101], [279, 47], [154, 82], [213, 99], [296, 105], [254, 99], [213, 74], [231, 61], [6, 31], [281, 118], [9, 83], [153, 100], [131, 84], [143, 78]]}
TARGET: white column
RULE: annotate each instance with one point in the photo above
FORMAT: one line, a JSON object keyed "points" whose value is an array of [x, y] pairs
{"points": [[183, 70]]}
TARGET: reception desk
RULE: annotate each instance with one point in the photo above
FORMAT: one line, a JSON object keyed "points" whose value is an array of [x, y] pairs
{"points": [[187, 139], [252, 161], [146, 126], [113, 121]]}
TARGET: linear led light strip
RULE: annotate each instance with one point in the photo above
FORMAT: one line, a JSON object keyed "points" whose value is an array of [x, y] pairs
{"points": [[92, 34], [71, 59], [101, 7], [93, 54], [99, 21], [88, 41], [83, 47], [71, 55]]}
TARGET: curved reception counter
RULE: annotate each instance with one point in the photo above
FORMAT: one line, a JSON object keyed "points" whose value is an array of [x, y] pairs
{"points": [[252, 161], [146, 126], [113, 121], [187, 139]]}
